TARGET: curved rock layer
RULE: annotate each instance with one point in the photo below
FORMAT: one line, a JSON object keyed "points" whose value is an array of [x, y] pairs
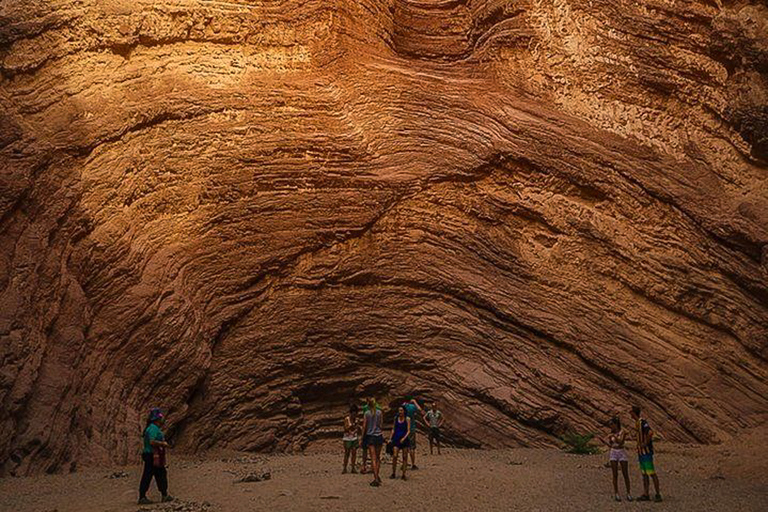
{"points": [[249, 212]]}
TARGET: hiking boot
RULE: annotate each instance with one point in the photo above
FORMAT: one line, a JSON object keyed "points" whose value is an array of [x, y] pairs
{"points": [[167, 498], [144, 501], [644, 497], [658, 499]]}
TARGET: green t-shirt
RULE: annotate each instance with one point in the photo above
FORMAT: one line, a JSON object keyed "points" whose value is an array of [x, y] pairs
{"points": [[152, 433], [410, 412]]}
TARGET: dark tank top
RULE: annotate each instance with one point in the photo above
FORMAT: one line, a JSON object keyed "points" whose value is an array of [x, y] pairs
{"points": [[401, 427]]}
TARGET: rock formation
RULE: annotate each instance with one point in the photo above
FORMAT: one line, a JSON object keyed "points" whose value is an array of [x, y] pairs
{"points": [[250, 211]]}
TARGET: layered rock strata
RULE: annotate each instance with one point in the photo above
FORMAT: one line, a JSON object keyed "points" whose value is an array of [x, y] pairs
{"points": [[250, 212]]}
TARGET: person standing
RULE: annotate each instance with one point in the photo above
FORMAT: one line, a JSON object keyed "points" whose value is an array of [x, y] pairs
{"points": [[364, 463], [373, 438], [645, 455], [434, 419], [401, 430], [351, 430], [153, 456], [411, 407], [617, 455]]}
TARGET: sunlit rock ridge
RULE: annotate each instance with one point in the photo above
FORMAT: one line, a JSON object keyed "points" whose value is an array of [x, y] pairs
{"points": [[250, 212]]}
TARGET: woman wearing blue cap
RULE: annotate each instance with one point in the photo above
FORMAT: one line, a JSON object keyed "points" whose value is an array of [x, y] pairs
{"points": [[153, 456]]}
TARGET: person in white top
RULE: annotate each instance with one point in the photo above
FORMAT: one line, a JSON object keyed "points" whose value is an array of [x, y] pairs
{"points": [[351, 431], [434, 419], [373, 438], [617, 455]]}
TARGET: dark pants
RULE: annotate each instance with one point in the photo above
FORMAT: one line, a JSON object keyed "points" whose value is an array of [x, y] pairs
{"points": [[161, 477]]}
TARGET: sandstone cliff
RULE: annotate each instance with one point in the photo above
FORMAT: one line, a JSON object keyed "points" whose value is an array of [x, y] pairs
{"points": [[537, 211]]}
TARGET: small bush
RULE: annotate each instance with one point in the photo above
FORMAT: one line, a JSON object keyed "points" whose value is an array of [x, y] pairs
{"points": [[580, 443]]}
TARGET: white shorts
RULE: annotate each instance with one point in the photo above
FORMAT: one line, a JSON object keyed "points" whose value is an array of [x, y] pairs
{"points": [[618, 455]]}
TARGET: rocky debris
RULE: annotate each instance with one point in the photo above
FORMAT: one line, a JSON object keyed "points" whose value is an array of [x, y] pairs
{"points": [[244, 459], [179, 506], [592, 466], [255, 477], [538, 212], [117, 474]]}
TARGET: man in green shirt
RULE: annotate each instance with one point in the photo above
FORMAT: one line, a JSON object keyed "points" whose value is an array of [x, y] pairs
{"points": [[411, 407], [153, 456]]}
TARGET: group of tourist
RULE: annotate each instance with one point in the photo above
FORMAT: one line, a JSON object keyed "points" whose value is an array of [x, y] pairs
{"points": [[402, 446], [402, 441]]}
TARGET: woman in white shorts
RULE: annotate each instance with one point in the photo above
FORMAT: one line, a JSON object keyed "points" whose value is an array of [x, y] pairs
{"points": [[617, 455]]}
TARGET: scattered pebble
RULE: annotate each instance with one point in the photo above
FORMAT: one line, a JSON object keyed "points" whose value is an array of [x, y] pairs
{"points": [[178, 506], [255, 477], [246, 459]]}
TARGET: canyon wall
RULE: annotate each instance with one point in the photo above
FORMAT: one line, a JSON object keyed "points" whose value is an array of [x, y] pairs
{"points": [[249, 212]]}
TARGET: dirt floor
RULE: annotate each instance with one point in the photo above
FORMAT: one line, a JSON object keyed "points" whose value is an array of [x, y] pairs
{"points": [[730, 477]]}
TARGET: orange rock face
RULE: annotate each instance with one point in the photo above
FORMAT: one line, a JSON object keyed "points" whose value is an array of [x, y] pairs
{"points": [[250, 212]]}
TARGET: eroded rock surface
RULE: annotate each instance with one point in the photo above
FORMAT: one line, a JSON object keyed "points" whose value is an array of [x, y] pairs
{"points": [[537, 211]]}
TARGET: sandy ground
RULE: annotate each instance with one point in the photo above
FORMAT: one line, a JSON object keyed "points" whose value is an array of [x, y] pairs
{"points": [[730, 477]]}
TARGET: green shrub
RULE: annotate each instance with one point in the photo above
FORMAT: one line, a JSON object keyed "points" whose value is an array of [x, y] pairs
{"points": [[580, 443]]}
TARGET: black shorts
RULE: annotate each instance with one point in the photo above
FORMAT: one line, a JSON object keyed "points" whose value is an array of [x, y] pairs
{"points": [[434, 434], [369, 440], [402, 445]]}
